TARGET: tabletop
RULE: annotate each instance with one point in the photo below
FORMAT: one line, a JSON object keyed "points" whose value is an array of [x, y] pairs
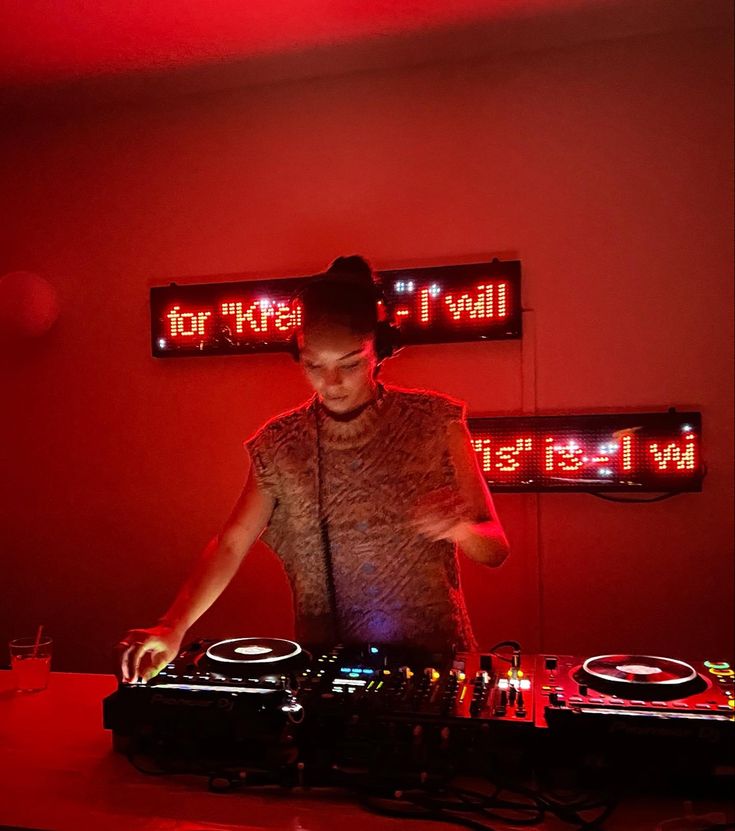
{"points": [[58, 772]]}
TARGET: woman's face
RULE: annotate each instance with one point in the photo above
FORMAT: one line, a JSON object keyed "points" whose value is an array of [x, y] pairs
{"points": [[339, 364]]}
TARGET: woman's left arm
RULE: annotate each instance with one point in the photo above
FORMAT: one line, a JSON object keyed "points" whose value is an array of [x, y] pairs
{"points": [[472, 523], [481, 537]]}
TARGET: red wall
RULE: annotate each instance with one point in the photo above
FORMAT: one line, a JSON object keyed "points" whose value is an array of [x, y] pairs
{"points": [[605, 168]]}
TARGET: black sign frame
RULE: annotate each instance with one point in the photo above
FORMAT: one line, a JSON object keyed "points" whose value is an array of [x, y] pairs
{"points": [[509, 431], [501, 284]]}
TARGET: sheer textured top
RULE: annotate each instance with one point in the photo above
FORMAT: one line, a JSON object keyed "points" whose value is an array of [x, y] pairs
{"points": [[392, 585]]}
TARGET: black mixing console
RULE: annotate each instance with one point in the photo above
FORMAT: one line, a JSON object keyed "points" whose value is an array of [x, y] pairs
{"points": [[269, 705]]}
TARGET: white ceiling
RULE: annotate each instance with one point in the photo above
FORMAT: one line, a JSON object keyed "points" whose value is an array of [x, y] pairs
{"points": [[190, 44]]}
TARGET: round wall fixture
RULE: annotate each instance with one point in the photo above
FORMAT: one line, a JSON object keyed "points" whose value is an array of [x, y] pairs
{"points": [[29, 304]]}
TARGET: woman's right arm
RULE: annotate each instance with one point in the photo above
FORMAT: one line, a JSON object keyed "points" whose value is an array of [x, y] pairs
{"points": [[147, 651]]}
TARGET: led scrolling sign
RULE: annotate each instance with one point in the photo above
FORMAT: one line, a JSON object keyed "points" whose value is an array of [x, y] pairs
{"points": [[621, 452], [480, 301]]}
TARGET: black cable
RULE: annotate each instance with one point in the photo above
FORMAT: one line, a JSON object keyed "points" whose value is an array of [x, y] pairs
{"points": [[442, 803], [660, 498], [391, 810], [504, 644], [480, 800], [567, 812], [452, 804], [324, 530], [514, 645], [633, 500], [426, 806], [161, 772]]}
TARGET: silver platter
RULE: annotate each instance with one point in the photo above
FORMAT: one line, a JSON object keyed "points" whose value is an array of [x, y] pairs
{"points": [[639, 669], [247, 651]]}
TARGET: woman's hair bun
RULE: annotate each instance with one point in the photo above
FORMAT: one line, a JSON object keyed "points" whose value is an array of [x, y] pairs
{"points": [[353, 268], [346, 292]]}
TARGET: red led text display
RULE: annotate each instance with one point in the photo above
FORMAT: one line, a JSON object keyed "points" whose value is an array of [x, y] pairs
{"points": [[480, 301], [633, 452]]}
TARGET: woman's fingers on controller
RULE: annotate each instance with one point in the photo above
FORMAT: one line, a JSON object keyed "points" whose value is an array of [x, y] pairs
{"points": [[127, 659], [134, 648], [157, 662]]}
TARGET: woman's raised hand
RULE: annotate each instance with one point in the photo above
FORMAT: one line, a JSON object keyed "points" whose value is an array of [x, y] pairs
{"points": [[440, 515]]}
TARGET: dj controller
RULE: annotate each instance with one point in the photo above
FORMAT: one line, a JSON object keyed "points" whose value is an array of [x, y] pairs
{"points": [[269, 708]]}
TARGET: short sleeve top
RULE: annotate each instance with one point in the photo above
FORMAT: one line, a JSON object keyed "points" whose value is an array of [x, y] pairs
{"points": [[392, 585]]}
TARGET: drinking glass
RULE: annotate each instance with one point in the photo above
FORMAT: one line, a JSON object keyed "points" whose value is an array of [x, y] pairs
{"points": [[30, 663]]}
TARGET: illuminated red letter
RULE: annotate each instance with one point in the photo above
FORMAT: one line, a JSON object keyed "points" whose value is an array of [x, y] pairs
{"points": [[680, 458], [186, 324]]}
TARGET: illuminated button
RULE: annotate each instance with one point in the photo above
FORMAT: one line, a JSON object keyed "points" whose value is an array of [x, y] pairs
{"points": [[637, 701], [659, 703], [680, 705], [714, 665], [546, 688], [576, 699], [597, 700], [617, 701], [559, 689], [704, 707], [724, 706]]}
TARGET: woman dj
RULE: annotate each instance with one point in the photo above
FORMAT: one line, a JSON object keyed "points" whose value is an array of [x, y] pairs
{"points": [[365, 493]]}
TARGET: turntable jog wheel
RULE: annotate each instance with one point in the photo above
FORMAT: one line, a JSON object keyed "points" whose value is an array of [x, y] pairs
{"points": [[643, 670], [257, 651]]}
